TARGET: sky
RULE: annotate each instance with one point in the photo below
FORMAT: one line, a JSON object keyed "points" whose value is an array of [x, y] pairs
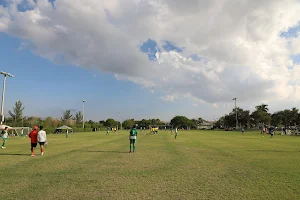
{"points": [[150, 59]]}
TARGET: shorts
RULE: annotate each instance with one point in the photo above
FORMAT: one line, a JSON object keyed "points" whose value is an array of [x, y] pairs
{"points": [[42, 143], [132, 141], [33, 144], [5, 139]]}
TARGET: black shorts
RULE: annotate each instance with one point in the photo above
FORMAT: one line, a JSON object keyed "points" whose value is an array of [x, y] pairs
{"points": [[33, 144], [42, 143]]}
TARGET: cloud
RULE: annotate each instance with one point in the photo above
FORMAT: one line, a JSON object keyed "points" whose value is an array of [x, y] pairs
{"points": [[240, 49], [168, 98]]}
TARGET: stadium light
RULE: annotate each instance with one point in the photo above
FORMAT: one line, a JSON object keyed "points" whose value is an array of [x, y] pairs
{"points": [[236, 120], [83, 101], [3, 92], [121, 118]]}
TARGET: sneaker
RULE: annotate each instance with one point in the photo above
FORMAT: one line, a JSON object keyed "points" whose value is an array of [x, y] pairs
{"points": [[32, 155], [3, 147], [42, 153], [129, 151]]}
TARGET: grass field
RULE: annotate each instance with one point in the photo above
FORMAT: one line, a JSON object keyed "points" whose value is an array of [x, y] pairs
{"points": [[197, 165]]}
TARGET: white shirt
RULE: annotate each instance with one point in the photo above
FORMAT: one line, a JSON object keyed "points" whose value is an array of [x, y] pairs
{"points": [[42, 136]]}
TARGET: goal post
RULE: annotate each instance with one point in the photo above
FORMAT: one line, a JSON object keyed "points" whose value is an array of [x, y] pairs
{"points": [[17, 130]]}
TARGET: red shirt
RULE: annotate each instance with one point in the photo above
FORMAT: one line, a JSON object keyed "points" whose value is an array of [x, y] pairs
{"points": [[33, 136]]}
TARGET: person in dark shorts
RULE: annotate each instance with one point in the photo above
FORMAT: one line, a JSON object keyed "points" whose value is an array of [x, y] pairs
{"points": [[33, 139], [42, 138], [271, 131], [132, 138]]}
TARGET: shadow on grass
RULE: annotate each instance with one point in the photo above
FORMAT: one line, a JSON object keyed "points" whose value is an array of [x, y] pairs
{"points": [[268, 150], [14, 154], [108, 151]]}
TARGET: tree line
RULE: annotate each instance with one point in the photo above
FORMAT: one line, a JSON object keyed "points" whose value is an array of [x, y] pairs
{"points": [[260, 117]]}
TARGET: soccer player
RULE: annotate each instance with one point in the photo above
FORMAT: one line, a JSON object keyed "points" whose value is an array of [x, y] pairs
{"points": [[107, 130], [33, 139], [132, 138], [4, 137], [176, 132], [42, 138], [243, 130], [22, 133], [271, 131]]}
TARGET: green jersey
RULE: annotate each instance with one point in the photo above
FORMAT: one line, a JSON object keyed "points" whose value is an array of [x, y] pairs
{"points": [[133, 133], [4, 134]]}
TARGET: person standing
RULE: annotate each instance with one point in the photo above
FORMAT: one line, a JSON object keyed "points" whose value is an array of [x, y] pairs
{"points": [[4, 135], [67, 133], [132, 138], [176, 132], [33, 139], [42, 138], [22, 133]]}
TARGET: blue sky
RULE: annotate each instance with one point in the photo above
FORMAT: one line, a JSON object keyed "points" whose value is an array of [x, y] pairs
{"points": [[47, 89]]}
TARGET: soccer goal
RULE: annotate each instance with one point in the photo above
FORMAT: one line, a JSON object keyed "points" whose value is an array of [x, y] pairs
{"points": [[18, 130]]}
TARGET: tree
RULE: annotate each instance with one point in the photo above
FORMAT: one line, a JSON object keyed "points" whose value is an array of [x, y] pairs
{"points": [[128, 123], [144, 123], [17, 113], [66, 115], [181, 121], [261, 115], [111, 123], [262, 107], [78, 117], [48, 122]]}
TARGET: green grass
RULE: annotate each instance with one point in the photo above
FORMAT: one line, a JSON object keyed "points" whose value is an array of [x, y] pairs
{"points": [[198, 165]]}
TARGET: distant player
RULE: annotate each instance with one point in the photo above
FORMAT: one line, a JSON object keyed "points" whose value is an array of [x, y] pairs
{"points": [[243, 130], [271, 131], [33, 139], [4, 135], [176, 132], [42, 138], [22, 133], [132, 138], [107, 130]]}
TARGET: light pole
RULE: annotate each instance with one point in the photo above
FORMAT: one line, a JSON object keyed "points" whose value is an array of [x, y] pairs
{"points": [[83, 101], [236, 120], [3, 92], [120, 119]]}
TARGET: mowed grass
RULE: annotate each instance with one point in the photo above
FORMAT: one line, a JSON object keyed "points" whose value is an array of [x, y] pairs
{"points": [[197, 165]]}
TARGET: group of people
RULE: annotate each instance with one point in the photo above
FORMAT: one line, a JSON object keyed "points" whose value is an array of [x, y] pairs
{"points": [[35, 137], [38, 137], [269, 130], [133, 135]]}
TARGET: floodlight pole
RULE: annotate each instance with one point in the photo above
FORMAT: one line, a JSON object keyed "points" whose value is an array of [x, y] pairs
{"points": [[3, 92], [236, 119], [83, 113]]}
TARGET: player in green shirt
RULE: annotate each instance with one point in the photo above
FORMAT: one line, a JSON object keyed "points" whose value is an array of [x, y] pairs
{"points": [[132, 138], [4, 135], [22, 133]]}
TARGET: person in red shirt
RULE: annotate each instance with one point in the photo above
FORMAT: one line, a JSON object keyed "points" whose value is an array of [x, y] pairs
{"points": [[33, 139]]}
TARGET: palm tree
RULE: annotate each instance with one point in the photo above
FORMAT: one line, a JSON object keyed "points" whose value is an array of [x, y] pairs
{"points": [[67, 115], [78, 117], [262, 107]]}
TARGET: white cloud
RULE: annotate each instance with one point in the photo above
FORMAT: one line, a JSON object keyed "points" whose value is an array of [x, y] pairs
{"points": [[168, 98], [242, 54]]}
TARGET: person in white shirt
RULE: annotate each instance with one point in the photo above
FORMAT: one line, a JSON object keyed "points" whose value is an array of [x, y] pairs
{"points": [[42, 139], [176, 132]]}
